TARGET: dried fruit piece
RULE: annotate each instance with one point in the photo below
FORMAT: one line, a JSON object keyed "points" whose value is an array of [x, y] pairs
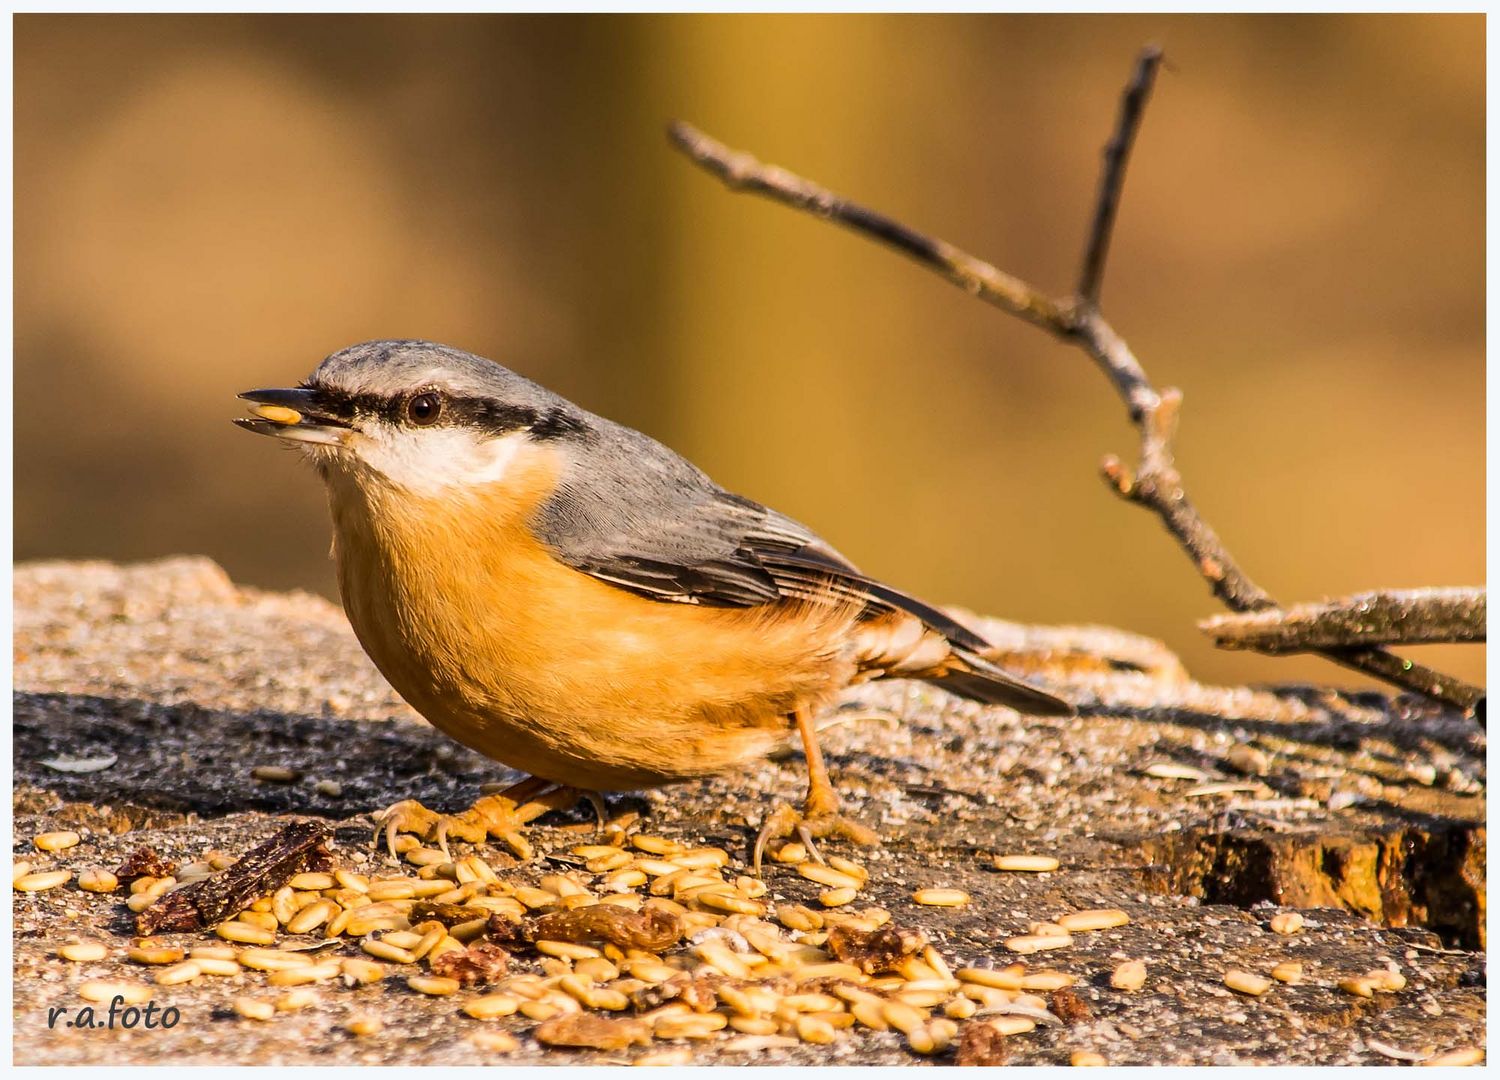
{"points": [[478, 965], [875, 951], [651, 929], [982, 1043], [585, 1030], [144, 862], [262, 871]]}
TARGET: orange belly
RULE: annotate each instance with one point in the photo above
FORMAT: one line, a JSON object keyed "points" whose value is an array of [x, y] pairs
{"points": [[553, 672]]}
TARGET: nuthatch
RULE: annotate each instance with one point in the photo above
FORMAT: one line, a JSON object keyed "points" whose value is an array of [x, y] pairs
{"points": [[573, 599]]}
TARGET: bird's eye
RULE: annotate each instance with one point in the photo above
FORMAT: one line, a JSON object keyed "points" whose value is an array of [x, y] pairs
{"points": [[424, 409]]}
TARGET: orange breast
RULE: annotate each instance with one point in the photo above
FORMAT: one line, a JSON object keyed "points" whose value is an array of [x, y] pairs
{"points": [[552, 671]]}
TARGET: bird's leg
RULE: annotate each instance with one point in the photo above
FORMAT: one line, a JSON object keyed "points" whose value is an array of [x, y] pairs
{"points": [[820, 815], [501, 815]]}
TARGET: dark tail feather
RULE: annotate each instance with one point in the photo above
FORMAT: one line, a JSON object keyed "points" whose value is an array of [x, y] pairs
{"points": [[985, 682]]}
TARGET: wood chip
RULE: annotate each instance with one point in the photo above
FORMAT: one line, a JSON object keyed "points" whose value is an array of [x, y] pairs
{"points": [[260, 872]]}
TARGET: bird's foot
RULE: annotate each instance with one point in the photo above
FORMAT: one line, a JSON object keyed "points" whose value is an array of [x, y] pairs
{"points": [[810, 824], [501, 816]]}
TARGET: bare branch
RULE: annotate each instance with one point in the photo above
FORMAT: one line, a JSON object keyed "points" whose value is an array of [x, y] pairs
{"points": [[1392, 617], [1112, 179], [1156, 484], [741, 172]]}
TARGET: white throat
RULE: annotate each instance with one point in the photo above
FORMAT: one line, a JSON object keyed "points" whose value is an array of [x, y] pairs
{"points": [[435, 461]]}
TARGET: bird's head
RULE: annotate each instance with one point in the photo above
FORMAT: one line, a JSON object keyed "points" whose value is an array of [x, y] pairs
{"points": [[419, 417]]}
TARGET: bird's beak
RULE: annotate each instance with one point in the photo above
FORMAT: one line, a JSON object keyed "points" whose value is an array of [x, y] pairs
{"points": [[295, 415]]}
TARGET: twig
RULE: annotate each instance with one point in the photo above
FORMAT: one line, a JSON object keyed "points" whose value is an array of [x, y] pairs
{"points": [[1112, 179], [1392, 617], [1156, 484]]}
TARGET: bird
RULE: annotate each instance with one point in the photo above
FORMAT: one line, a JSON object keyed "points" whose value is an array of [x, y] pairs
{"points": [[573, 599]]}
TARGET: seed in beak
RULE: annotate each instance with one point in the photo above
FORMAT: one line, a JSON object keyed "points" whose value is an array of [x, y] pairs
{"points": [[277, 414]]}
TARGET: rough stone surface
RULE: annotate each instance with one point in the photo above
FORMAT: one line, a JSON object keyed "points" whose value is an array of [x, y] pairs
{"points": [[1200, 811]]}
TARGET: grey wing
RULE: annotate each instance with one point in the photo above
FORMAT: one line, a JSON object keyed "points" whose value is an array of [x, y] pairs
{"points": [[658, 527], [640, 517]]}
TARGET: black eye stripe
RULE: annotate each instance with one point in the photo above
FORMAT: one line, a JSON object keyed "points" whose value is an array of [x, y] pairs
{"points": [[483, 414]]}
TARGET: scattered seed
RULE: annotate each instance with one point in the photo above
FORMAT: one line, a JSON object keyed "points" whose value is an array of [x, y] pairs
{"points": [[1386, 979], [57, 841], [1288, 971], [1082, 1058], [272, 959], [155, 954], [96, 879], [433, 985], [179, 973], [734, 905], [275, 774], [1046, 981], [1008, 978], [837, 897], [655, 845], [1094, 919], [208, 965], [1464, 1055], [293, 1000], [1033, 864], [254, 1008], [402, 889], [1288, 922], [791, 854], [1011, 1025], [83, 951], [941, 897], [491, 1006], [566, 950], [1032, 943], [307, 973], [368, 1025], [1131, 975], [386, 951], [1359, 986], [41, 882], [1171, 770], [1245, 982], [689, 1025], [827, 875], [312, 916], [812, 1029], [245, 933]]}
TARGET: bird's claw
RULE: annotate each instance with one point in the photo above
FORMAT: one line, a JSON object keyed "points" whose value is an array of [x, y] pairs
{"points": [[808, 826], [498, 816]]}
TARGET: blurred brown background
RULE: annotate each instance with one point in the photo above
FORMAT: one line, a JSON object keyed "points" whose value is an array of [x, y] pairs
{"points": [[209, 204]]}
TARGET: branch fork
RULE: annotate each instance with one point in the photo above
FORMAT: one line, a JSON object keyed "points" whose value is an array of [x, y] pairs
{"points": [[1155, 483]]}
